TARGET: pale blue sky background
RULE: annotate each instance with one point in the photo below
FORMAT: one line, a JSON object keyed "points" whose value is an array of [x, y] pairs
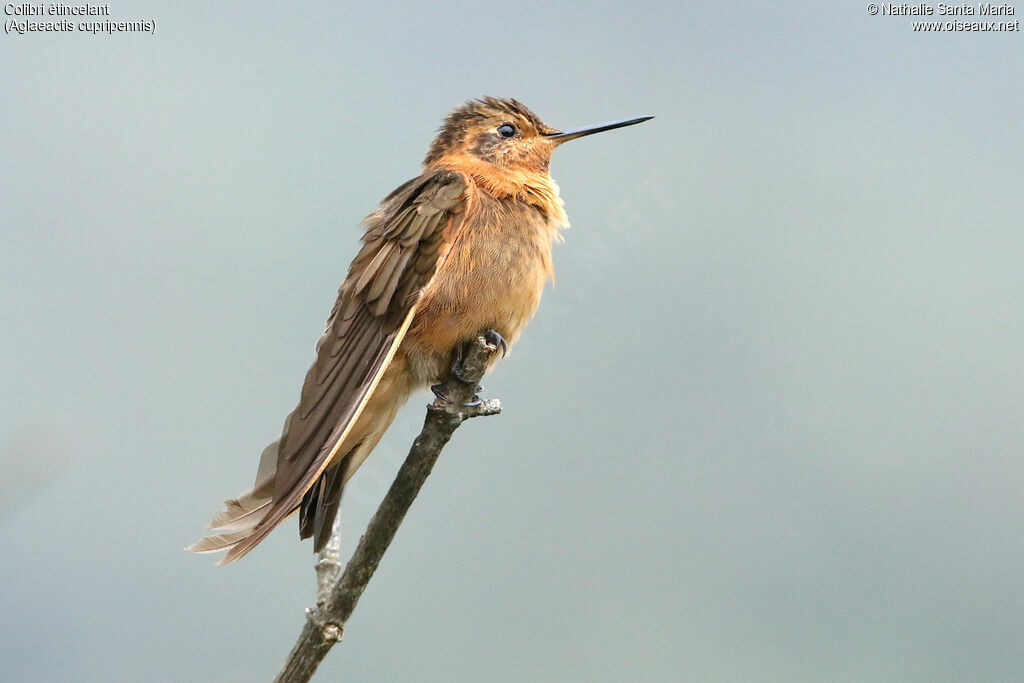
{"points": [[767, 426]]}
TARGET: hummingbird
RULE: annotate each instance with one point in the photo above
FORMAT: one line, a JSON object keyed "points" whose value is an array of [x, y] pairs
{"points": [[465, 246]]}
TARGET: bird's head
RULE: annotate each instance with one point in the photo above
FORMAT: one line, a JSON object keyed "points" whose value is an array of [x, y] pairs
{"points": [[504, 134]]}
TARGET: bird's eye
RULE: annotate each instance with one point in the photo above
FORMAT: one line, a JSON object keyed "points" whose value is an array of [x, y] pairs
{"points": [[507, 130]]}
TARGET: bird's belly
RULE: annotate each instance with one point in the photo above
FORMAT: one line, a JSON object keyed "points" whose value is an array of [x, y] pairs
{"points": [[492, 279]]}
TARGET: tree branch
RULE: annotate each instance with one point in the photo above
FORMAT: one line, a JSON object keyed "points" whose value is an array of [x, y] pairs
{"points": [[337, 591]]}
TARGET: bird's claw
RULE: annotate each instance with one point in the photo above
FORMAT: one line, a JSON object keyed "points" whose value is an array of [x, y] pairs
{"points": [[473, 402], [456, 370], [493, 338]]}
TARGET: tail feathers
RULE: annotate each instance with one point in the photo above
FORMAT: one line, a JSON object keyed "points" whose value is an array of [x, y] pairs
{"points": [[240, 514], [327, 506], [320, 505], [211, 544], [235, 522], [243, 514]]}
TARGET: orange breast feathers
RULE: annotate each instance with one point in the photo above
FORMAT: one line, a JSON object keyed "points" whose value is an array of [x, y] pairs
{"points": [[534, 187], [495, 273]]}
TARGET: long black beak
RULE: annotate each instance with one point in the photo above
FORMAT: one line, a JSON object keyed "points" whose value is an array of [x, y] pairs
{"points": [[565, 136]]}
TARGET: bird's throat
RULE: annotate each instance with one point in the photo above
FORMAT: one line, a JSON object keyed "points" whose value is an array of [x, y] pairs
{"points": [[534, 187]]}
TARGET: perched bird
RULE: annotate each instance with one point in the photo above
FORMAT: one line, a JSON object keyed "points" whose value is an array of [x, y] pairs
{"points": [[463, 247]]}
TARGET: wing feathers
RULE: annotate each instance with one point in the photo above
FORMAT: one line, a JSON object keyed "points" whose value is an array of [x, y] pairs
{"points": [[374, 266], [384, 301], [405, 241], [387, 269]]}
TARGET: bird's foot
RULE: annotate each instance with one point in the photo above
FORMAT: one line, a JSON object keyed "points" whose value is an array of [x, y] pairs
{"points": [[473, 402], [493, 338], [457, 369], [458, 372]]}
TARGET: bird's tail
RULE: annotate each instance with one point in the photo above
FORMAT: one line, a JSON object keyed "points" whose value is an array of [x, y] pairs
{"points": [[241, 515], [246, 520]]}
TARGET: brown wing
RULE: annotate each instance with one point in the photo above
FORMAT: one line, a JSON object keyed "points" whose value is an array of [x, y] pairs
{"points": [[405, 241]]}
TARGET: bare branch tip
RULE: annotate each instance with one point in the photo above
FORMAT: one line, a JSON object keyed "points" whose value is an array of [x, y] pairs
{"points": [[488, 407], [332, 633]]}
